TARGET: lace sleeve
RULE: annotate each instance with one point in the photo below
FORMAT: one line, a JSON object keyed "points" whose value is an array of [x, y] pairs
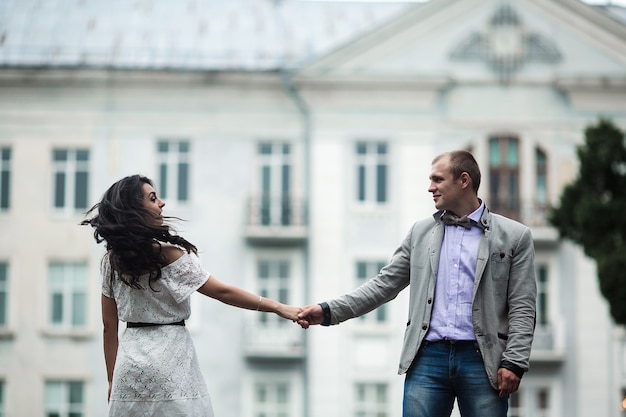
{"points": [[183, 277], [105, 276]]}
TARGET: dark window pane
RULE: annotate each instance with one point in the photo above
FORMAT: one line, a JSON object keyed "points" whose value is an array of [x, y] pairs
{"points": [[183, 181], [6, 154], [82, 155], [57, 308], [265, 209], [381, 185], [183, 147], [80, 197], [59, 155], [79, 305], [265, 149], [494, 152], [381, 148], [512, 158], [76, 392], [59, 189], [163, 147], [361, 183], [263, 269], [3, 308], [361, 270], [5, 181], [286, 149], [163, 180]]}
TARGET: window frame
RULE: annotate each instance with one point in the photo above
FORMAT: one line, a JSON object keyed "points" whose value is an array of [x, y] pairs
{"points": [[371, 408], [66, 173], [65, 407], [170, 165], [364, 270], [371, 162], [68, 290], [503, 171], [277, 285]]}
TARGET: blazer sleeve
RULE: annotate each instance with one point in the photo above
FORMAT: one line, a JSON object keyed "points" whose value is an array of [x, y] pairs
{"points": [[522, 295]]}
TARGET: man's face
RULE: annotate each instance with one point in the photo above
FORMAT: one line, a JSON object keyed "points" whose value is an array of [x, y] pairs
{"points": [[446, 190]]}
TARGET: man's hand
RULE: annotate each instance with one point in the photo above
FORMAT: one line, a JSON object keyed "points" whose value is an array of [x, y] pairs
{"points": [[311, 314], [508, 382]]}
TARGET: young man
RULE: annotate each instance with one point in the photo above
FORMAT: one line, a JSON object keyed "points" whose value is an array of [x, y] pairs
{"points": [[472, 290]]}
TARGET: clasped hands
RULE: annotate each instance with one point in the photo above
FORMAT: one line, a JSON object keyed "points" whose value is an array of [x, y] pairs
{"points": [[303, 316]]}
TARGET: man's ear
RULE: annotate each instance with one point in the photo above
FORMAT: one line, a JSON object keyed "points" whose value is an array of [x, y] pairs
{"points": [[466, 180]]}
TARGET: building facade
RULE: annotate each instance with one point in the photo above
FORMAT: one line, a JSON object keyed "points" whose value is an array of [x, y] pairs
{"points": [[298, 181]]}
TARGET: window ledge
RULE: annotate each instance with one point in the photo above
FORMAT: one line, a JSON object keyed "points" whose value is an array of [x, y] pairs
{"points": [[7, 334], [75, 334]]}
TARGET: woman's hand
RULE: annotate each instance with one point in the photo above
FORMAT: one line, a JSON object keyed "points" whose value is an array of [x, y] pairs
{"points": [[288, 312]]}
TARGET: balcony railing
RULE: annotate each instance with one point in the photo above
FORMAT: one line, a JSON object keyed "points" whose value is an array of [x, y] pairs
{"points": [[275, 340], [530, 212], [282, 219]]}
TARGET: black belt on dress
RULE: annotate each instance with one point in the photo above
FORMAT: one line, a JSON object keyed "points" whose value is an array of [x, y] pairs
{"points": [[135, 324]]}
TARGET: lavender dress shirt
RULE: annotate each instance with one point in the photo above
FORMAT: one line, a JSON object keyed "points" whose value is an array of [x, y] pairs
{"points": [[454, 288]]}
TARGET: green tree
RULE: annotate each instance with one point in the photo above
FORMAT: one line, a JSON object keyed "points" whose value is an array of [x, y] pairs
{"points": [[592, 210]]}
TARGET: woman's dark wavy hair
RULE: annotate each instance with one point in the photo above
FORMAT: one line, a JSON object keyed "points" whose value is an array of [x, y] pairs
{"points": [[133, 240]]}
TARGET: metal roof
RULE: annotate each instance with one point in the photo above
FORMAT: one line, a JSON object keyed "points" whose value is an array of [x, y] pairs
{"points": [[180, 34]]}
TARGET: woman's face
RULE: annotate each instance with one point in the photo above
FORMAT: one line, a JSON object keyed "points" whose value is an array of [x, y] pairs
{"points": [[152, 202]]}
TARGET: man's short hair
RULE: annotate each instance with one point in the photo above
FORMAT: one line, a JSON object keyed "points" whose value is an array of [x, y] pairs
{"points": [[460, 162]]}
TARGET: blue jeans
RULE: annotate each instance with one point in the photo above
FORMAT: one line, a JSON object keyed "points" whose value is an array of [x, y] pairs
{"points": [[443, 371]]}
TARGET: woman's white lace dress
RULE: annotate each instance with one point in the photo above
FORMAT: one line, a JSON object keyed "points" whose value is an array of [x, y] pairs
{"points": [[156, 371]]}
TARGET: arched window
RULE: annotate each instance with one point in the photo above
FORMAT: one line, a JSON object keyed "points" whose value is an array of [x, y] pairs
{"points": [[504, 176]]}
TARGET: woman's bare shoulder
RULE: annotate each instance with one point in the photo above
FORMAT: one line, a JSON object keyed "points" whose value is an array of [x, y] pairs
{"points": [[171, 252]]}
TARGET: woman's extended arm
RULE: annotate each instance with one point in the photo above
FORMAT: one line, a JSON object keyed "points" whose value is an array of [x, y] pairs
{"points": [[110, 321], [237, 297]]}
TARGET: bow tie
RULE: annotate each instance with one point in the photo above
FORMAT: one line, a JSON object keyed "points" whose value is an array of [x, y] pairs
{"points": [[450, 219]]}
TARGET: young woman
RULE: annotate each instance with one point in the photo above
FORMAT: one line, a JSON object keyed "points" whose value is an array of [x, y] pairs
{"points": [[148, 275]]}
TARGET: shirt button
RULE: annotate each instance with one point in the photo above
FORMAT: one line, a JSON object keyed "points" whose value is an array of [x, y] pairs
{"points": [[424, 326]]}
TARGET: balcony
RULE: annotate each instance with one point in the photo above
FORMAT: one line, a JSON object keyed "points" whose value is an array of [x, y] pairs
{"points": [[279, 221], [548, 344], [274, 340], [533, 214]]}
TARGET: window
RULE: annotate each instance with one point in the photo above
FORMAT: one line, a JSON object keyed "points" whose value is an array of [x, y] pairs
{"points": [[4, 294], [272, 399], [543, 318], [533, 401], [371, 171], [5, 177], [364, 271], [2, 402], [65, 399], [504, 176], [275, 171], [71, 178], [274, 283], [371, 400], [67, 283], [174, 170]]}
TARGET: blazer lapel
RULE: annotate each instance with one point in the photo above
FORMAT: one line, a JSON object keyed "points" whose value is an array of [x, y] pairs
{"points": [[436, 239], [483, 249]]}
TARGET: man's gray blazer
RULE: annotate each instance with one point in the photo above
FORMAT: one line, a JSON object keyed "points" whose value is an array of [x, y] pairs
{"points": [[505, 290]]}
